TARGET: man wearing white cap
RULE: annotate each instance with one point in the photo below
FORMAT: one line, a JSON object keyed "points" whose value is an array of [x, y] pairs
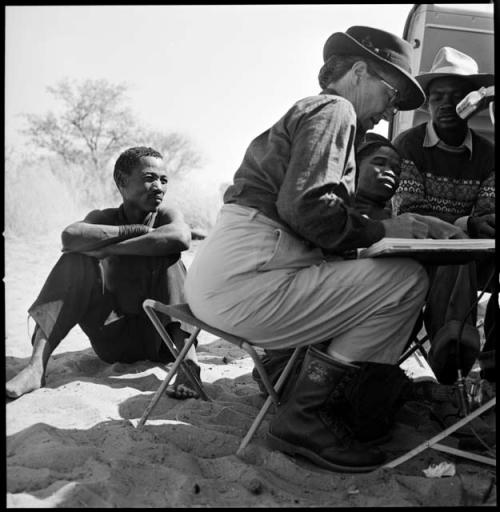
{"points": [[448, 172]]}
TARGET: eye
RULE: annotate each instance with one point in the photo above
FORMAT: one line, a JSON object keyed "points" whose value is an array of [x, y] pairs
{"points": [[379, 161], [163, 180], [435, 96]]}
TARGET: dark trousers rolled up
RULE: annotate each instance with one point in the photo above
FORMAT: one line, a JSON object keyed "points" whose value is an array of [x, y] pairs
{"points": [[75, 294]]}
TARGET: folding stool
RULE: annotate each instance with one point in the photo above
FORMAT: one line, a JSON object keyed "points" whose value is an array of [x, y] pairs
{"points": [[433, 442], [183, 312], [415, 342]]}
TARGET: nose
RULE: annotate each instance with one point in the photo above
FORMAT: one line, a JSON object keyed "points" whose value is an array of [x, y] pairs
{"points": [[156, 184], [389, 113], [450, 100]]}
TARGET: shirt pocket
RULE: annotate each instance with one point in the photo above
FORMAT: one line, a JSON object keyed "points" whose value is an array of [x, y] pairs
{"points": [[290, 252]]}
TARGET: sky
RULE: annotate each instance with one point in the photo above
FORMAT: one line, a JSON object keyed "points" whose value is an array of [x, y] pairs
{"points": [[219, 75]]}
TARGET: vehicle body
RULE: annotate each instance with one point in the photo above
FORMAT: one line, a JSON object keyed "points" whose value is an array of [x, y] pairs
{"points": [[428, 28]]}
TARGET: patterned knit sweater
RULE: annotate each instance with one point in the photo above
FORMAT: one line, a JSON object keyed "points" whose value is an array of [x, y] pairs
{"points": [[441, 183]]}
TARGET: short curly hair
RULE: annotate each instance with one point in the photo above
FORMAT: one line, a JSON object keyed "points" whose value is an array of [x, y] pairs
{"points": [[130, 158], [371, 142]]}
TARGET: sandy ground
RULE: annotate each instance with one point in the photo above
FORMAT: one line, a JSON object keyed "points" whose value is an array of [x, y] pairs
{"points": [[74, 443]]}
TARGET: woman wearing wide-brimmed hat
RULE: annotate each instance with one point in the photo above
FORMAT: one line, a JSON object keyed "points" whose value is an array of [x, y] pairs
{"points": [[274, 269]]}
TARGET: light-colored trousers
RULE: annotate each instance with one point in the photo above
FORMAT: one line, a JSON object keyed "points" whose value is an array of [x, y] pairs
{"points": [[253, 278]]}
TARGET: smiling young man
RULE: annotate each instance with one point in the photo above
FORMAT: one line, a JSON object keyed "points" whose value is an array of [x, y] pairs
{"points": [[379, 167], [448, 172], [113, 260]]}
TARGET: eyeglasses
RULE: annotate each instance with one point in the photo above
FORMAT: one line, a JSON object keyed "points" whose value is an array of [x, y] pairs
{"points": [[394, 97]]}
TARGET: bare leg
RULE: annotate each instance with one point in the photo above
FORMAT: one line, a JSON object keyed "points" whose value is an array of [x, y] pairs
{"points": [[32, 376], [70, 290]]}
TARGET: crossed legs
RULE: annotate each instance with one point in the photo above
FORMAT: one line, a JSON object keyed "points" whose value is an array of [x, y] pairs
{"points": [[73, 294]]}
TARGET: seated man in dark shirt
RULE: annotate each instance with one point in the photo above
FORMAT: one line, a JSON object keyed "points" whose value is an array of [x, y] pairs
{"points": [[113, 260], [448, 172]]}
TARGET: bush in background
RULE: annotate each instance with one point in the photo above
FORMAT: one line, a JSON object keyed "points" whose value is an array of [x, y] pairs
{"points": [[36, 202]]}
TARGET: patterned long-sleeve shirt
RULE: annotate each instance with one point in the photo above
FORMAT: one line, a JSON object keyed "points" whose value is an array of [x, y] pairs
{"points": [[448, 183], [301, 173]]}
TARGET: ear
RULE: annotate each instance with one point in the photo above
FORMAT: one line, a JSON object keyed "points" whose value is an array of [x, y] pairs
{"points": [[358, 70], [121, 180]]}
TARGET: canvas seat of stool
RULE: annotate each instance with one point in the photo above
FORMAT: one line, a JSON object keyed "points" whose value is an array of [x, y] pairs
{"points": [[183, 312]]}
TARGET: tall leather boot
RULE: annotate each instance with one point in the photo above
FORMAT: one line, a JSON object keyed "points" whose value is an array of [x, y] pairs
{"points": [[372, 398], [299, 428]]}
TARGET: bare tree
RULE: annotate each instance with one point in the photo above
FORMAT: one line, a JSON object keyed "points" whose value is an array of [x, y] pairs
{"points": [[95, 122]]}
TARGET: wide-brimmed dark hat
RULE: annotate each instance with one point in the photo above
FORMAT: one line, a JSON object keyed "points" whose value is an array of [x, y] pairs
{"points": [[388, 49], [451, 62]]}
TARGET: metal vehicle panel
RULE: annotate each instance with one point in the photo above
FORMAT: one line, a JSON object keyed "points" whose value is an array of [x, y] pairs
{"points": [[428, 28]]}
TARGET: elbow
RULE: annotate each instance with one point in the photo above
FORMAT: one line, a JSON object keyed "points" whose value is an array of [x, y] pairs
{"points": [[68, 237], [183, 240], [186, 241], [184, 245]]}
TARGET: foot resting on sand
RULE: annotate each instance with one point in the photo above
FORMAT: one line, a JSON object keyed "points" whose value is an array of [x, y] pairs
{"points": [[182, 387], [27, 380]]}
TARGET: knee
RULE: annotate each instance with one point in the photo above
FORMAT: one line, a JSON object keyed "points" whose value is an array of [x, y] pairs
{"points": [[419, 279], [76, 260], [412, 276], [78, 257], [75, 265]]}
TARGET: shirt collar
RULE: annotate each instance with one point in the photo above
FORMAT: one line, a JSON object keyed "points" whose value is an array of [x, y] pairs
{"points": [[330, 90], [432, 139], [360, 133]]}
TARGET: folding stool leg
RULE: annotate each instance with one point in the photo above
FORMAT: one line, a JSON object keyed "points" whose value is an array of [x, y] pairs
{"points": [[262, 372], [462, 453], [168, 378], [270, 399], [433, 442], [417, 345], [166, 338]]}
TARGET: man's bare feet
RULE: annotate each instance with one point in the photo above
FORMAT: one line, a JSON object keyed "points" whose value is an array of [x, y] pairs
{"points": [[27, 380], [182, 387]]}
